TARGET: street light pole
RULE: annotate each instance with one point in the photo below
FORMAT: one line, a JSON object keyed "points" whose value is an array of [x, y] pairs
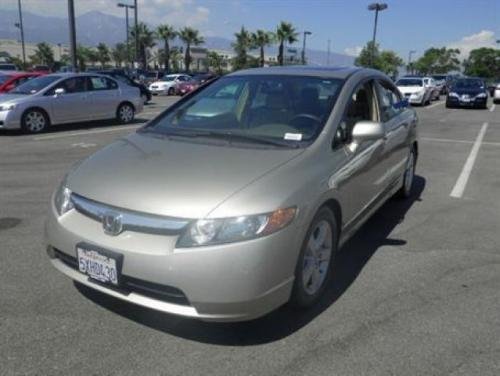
{"points": [[126, 6], [328, 53], [409, 60], [21, 28], [136, 32], [72, 34], [377, 7], [306, 33]]}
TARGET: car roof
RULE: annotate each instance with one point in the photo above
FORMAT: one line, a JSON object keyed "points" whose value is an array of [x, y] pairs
{"points": [[304, 70]]}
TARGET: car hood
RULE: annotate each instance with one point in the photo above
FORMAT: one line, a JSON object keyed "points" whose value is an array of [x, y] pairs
{"points": [[171, 177], [14, 98], [409, 89], [469, 91]]}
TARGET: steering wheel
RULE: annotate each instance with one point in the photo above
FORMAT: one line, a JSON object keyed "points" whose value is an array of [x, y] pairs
{"points": [[307, 127], [317, 119]]}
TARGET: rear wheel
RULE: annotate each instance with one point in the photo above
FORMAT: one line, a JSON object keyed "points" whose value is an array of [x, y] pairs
{"points": [[34, 121], [125, 113], [313, 270], [408, 176]]}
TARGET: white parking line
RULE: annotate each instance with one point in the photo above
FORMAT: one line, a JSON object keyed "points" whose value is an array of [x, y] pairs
{"points": [[492, 108], [445, 140], [80, 133], [435, 104], [459, 188]]}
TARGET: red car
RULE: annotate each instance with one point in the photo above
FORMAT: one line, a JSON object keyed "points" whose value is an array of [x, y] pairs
{"points": [[9, 80], [182, 88]]}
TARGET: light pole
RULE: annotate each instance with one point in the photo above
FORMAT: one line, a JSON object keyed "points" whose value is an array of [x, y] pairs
{"points": [[409, 61], [19, 25], [328, 53], [306, 33], [377, 7], [127, 7], [136, 32], [72, 34]]}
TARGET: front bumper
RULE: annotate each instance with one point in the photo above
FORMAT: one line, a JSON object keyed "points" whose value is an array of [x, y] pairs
{"points": [[159, 91], [230, 282], [472, 102], [10, 119]]}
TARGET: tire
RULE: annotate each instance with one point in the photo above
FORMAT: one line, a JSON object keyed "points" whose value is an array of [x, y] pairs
{"points": [[307, 289], [125, 113], [408, 175], [171, 91], [34, 121]]}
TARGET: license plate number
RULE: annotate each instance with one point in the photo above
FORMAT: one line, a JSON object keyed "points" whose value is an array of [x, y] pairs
{"points": [[98, 266]]}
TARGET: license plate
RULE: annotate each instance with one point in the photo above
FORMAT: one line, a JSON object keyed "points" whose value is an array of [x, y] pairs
{"points": [[99, 264], [466, 100]]}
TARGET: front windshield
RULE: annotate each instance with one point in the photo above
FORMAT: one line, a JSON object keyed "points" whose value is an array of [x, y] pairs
{"points": [[168, 78], [409, 82], [286, 109], [35, 85], [468, 84], [439, 77]]}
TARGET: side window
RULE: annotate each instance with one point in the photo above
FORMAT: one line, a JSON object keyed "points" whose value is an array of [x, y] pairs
{"points": [[102, 83], [389, 100], [360, 108], [73, 85]]}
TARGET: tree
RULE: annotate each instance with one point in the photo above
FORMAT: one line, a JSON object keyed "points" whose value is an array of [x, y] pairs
{"points": [[175, 57], [82, 53], [120, 54], [103, 54], [241, 46], [166, 33], [438, 60], [190, 37], [285, 33], [44, 55], [216, 62], [483, 62], [261, 39], [146, 40], [386, 61]]}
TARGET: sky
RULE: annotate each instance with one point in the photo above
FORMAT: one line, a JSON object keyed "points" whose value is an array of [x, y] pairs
{"points": [[406, 24]]}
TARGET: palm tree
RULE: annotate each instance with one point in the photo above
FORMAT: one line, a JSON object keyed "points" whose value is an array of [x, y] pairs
{"points": [[146, 40], [166, 33], [285, 33], [43, 55], [261, 39], [175, 57], [119, 54], [102, 54], [215, 61], [190, 37], [243, 43]]}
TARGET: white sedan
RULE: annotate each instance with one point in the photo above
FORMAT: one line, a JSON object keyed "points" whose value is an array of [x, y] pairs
{"points": [[166, 85], [416, 89], [496, 94]]}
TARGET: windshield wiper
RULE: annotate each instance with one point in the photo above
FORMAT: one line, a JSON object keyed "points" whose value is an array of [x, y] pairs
{"points": [[230, 136]]}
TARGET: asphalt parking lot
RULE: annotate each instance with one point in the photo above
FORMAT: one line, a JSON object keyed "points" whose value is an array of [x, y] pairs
{"points": [[416, 291]]}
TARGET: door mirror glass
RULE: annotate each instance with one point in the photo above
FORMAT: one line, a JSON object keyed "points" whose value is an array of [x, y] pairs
{"points": [[59, 91], [367, 131]]}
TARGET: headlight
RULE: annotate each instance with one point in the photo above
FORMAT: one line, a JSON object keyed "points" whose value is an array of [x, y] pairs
{"points": [[62, 200], [228, 230], [481, 95], [7, 107], [453, 94]]}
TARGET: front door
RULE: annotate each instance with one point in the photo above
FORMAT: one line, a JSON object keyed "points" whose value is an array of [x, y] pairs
{"points": [[73, 104]]}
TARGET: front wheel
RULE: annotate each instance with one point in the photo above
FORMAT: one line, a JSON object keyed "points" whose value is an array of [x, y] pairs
{"points": [[313, 270], [171, 91], [125, 113], [34, 121]]}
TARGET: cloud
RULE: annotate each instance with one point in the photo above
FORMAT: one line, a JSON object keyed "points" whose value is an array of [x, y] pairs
{"points": [[484, 38], [353, 51]]}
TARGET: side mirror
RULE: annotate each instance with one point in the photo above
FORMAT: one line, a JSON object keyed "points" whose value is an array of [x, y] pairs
{"points": [[59, 91], [366, 131]]}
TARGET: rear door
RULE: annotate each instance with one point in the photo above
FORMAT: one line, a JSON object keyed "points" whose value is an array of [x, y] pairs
{"points": [[396, 120], [73, 105], [104, 97]]}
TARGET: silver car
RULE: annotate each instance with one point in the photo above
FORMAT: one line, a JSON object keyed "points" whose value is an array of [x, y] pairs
{"points": [[67, 98], [235, 200]]}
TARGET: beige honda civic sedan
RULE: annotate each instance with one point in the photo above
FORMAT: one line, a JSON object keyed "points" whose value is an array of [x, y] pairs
{"points": [[235, 200]]}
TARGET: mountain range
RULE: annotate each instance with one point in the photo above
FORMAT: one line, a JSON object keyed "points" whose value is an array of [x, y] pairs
{"points": [[95, 27]]}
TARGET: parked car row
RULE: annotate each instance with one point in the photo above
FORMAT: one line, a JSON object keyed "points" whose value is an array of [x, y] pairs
{"points": [[179, 84], [62, 98]]}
